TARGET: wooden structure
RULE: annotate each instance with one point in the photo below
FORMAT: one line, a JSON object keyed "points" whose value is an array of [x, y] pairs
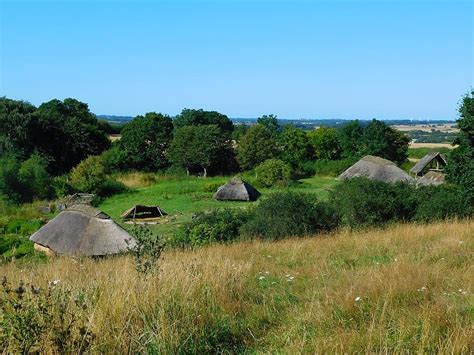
{"points": [[431, 162], [143, 212]]}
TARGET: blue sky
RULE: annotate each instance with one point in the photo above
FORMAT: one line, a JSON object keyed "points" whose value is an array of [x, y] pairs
{"points": [[297, 59]]}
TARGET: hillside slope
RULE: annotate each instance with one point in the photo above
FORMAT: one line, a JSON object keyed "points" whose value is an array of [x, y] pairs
{"points": [[408, 287]]}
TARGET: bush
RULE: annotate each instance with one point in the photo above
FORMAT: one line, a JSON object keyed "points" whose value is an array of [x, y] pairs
{"points": [[441, 202], [147, 251], [363, 202], [114, 159], [212, 187], [273, 172], [332, 167], [61, 186], [34, 179], [287, 214], [216, 226]]}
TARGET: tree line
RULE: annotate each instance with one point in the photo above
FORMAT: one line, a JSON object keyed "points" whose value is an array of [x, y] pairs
{"points": [[39, 144]]}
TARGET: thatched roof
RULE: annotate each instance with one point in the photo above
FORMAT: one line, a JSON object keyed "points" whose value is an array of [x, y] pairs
{"points": [[426, 160], [237, 190], [143, 212], [376, 168], [83, 230], [432, 178]]}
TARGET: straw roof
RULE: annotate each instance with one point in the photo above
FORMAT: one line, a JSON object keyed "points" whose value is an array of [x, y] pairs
{"points": [[143, 212], [376, 168], [432, 178], [237, 190], [426, 160], [83, 230]]}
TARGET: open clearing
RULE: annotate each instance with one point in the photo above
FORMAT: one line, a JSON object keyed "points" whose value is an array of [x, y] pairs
{"points": [[183, 197], [408, 288]]}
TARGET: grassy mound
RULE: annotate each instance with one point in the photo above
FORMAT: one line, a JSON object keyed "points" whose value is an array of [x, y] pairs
{"points": [[405, 288]]}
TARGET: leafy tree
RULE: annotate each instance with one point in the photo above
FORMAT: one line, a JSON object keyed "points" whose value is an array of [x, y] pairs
{"points": [[295, 148], [350, 136], [89, 175], [191, 117], [145, 140], [381, 140], [460, 169], [200, 147], [34, 179], [256, 146], [325, 143], [270, 122], [10, 187], [16, 127], [273, 172], [68, 133]]}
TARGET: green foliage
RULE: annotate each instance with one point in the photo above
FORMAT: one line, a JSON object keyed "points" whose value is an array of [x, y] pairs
{"points": [[220, 225], [256, 146], [114, 159], [273, 172], [460, 169], [362, 202], [295, 148], [333, 167], [190, 117], [287, 214], [441, 202], [31, 316], [201, 148], [270, 122], [418, 153], [144, 142], [9, 185], [350, 136], [383, 141], [147, 251], [67, 132], [325, 143], [61, 186], [90, 176]]}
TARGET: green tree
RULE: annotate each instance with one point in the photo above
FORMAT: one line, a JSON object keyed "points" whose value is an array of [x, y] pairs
{"points": [[10, 187], [270, 122], [34, 179], [202, 147], [273, 172], [16, 127], [325, 143], [256, 146], [381, 140], [145, 140], [191, 117], [89, 175], [460, 169], [67, 132], [295, 147], [350, 136]]}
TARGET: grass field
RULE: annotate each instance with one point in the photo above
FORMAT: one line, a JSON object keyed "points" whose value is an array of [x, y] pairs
{"points": [[408, 288], [183, 197]]}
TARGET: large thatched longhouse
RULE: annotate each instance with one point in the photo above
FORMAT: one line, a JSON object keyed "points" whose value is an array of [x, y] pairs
{"points": [[82, 230], [376, 168], [237, 190]]}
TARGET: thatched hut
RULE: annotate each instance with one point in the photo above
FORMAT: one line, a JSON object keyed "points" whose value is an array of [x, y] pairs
{"points": [[82, 230], [237, 190], [376, 168], [430, 162], [143, 212], [431, 178]]}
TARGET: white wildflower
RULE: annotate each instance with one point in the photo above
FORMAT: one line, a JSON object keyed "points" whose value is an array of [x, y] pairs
{"points": [[261, 277], [358, 299], [424, 288]]}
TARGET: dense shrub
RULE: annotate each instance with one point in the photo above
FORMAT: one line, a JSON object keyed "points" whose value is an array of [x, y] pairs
{"points": [[332, 167], [441, 202], [90, 176], [273, 172], [221, 225], [363, 202], [287, 214], [114, 159]]}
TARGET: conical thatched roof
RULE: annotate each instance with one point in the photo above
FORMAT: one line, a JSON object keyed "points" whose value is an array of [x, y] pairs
{"points": [[237, 190], [376, 168], [432, 178], [83, 230]]}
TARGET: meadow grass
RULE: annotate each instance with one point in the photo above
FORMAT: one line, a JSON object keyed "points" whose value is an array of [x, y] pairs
{"points": [[407, 288], [181, 197]]}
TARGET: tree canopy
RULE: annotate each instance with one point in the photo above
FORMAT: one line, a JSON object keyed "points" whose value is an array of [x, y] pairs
{"points": [[256, 146], [192, 117], [325, 143]]}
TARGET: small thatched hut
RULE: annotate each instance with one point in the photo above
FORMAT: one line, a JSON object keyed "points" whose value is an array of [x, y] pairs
{"points": [[82, 230], [376, 168], [237, 190], [143, 212], [431, 178], [430, 162]]}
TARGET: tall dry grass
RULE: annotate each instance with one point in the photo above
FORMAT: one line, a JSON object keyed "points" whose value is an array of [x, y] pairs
{"points": [[404, 289]]}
